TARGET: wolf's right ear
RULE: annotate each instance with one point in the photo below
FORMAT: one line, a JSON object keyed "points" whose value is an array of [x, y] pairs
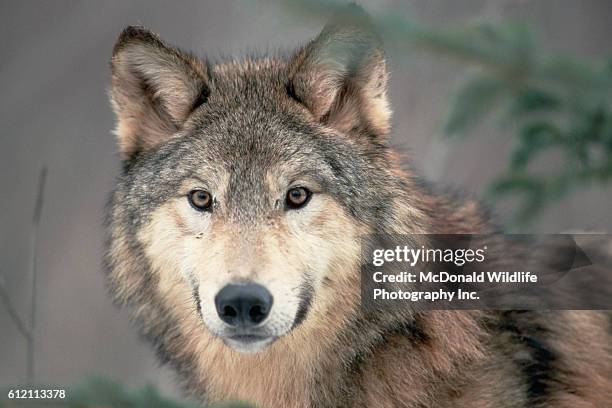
{"points": [[154, 89], [341, 75]]}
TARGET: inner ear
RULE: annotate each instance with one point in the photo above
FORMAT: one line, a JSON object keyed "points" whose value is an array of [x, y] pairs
{"points": [[341, 76], [201, 99], [154, 89]]}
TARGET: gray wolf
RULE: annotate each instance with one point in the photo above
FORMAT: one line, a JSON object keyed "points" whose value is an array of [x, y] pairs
{"points": [[233, 239]]}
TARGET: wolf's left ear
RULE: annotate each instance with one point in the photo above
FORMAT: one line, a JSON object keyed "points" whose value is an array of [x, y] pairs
{"points": [[154, 89], [341, 76]]}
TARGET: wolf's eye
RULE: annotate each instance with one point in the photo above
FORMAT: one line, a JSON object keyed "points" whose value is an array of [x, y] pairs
{"points": [[297, 197], [201, 200]]}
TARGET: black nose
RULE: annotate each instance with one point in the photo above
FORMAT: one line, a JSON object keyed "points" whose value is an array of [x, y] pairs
{"points": [[243, 305]]}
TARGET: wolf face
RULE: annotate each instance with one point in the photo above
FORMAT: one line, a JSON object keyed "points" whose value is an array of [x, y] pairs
{"points": [[253, 233], [251, 180]]}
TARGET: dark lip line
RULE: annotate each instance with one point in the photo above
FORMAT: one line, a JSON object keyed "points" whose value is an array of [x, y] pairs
{"points": [[305, 295], [248, 338]]}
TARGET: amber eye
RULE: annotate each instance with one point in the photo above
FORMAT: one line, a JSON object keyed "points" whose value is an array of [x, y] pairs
{"points": [[297, 197], [201, 200]]}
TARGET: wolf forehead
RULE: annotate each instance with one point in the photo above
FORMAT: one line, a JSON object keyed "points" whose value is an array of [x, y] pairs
{"points": [[252, 158], [246, 160], [250, 155]]}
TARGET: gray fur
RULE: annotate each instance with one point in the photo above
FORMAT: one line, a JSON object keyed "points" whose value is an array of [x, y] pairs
{"points": [[257, 118]]}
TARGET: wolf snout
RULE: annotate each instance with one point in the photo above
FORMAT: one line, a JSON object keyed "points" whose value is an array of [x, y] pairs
{"points": [[243, 305]]}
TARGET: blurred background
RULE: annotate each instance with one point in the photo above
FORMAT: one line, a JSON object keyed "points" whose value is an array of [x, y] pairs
{"points": [[54, 74]]}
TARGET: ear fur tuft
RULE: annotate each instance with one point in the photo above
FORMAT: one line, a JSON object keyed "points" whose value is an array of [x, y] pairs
{"points": [[341, 75], [154, 89]]}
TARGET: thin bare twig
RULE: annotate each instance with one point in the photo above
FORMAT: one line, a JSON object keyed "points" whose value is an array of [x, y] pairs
{"points": [[34, 269], [8, 305], [27, 330]]}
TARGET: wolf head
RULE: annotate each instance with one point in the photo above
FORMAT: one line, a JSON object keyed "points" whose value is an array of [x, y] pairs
{"points": [[250, 182]]}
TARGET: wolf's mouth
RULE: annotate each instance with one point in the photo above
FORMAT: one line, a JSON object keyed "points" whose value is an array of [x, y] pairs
{"points": [[248, 343], [247, 338]]}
